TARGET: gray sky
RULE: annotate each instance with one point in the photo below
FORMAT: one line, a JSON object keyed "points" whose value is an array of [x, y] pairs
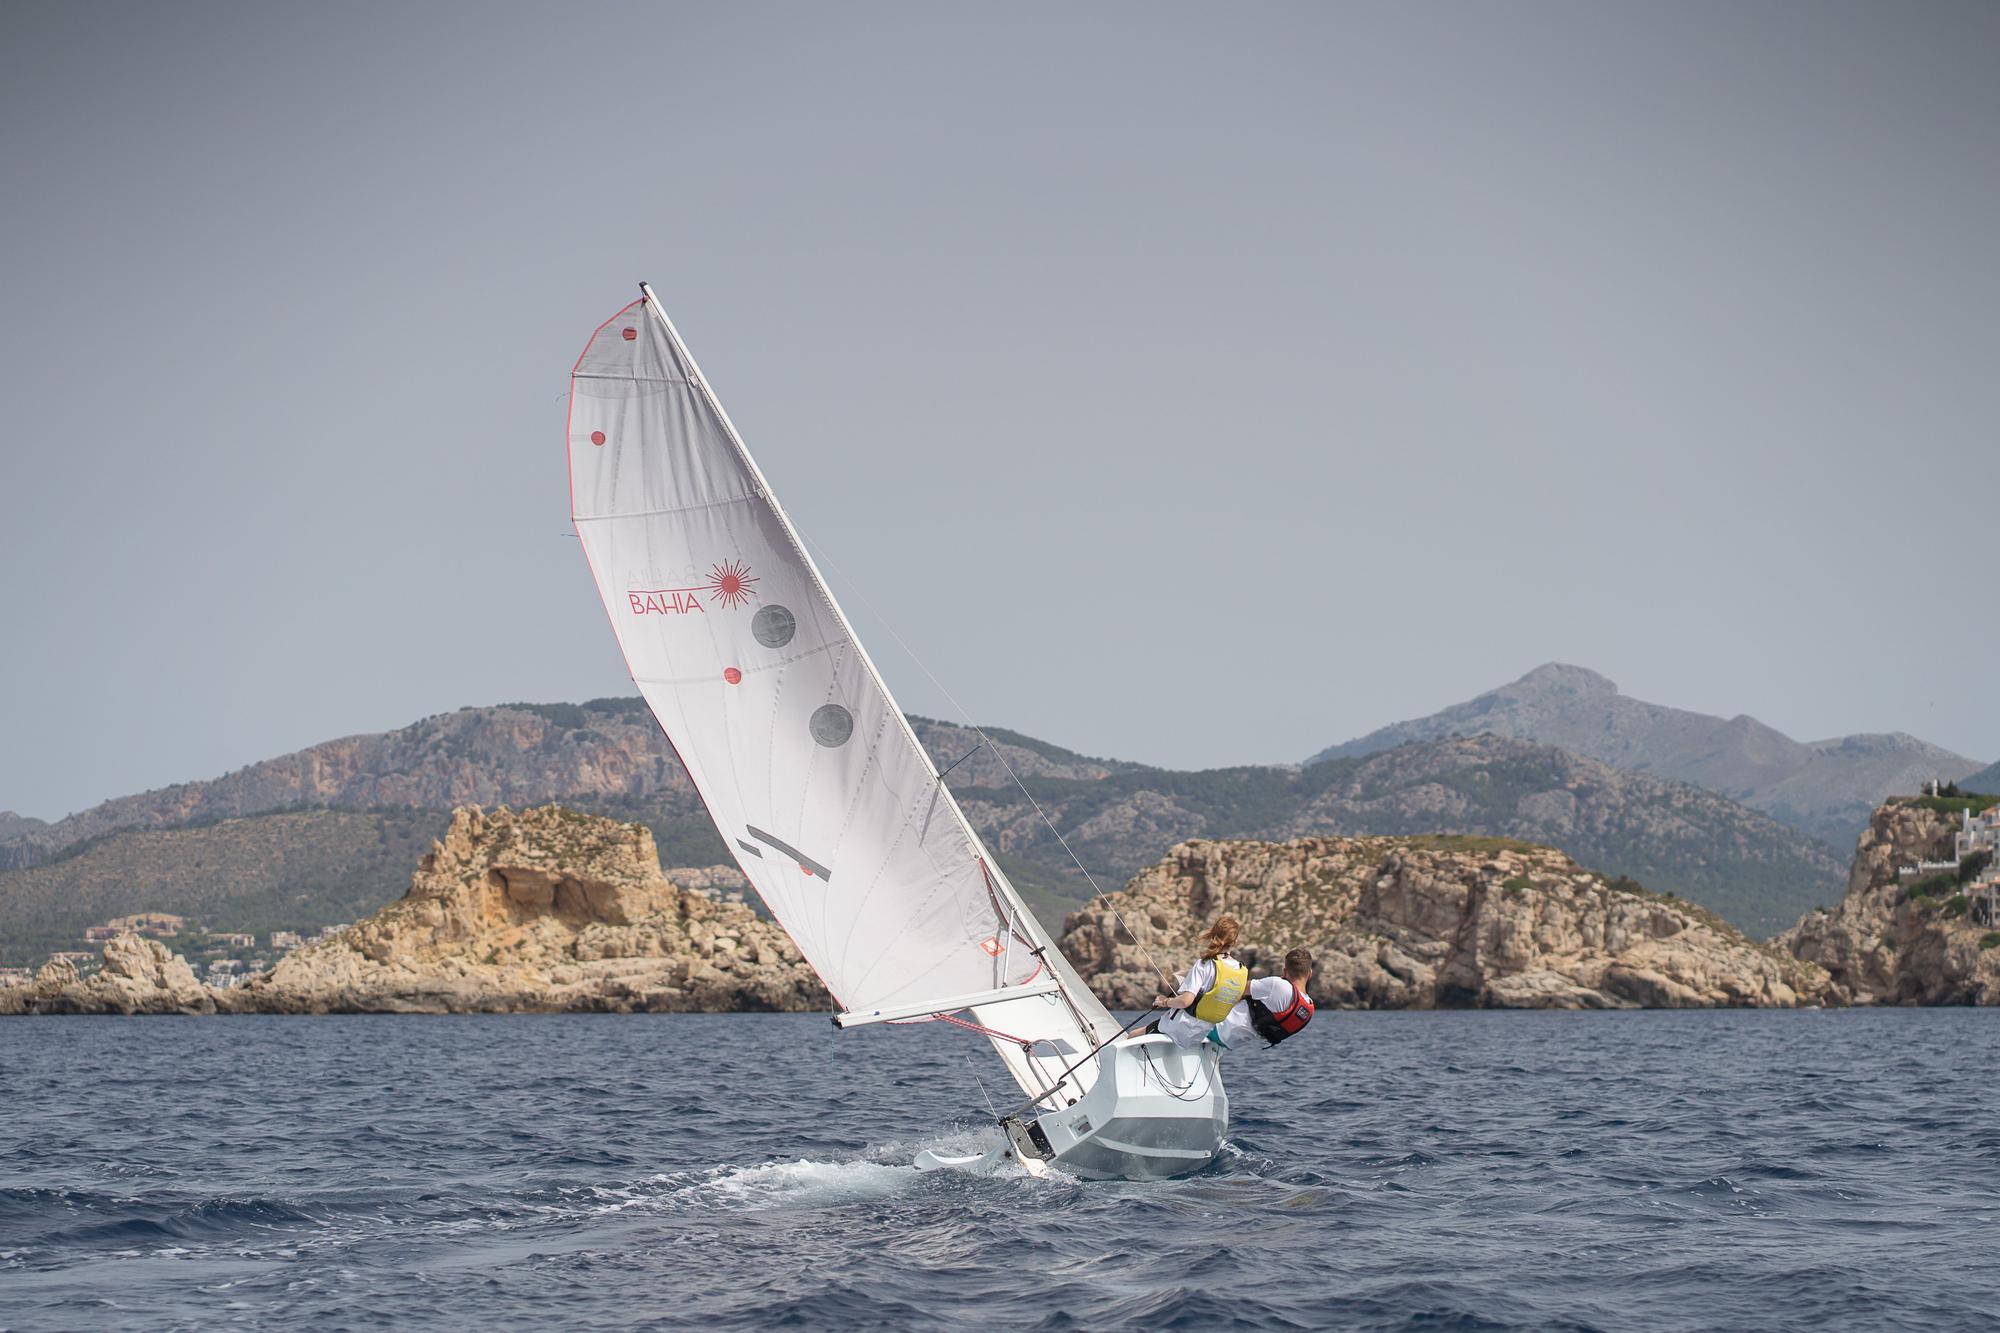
{"points": [[1189, 383]]}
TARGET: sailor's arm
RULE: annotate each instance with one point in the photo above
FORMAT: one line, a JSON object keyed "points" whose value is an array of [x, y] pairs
{"points": [[1180, 1001]]}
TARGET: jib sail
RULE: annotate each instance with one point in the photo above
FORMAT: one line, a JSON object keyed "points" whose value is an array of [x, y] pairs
{"points": [[808, 768]]}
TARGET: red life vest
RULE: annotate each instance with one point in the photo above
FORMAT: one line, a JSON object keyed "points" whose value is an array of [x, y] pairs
{"points": [[1276, 1025]]}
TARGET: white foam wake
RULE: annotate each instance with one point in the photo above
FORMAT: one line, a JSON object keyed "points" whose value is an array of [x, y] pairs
{"points": [[888, 1169], [788, 1184]]}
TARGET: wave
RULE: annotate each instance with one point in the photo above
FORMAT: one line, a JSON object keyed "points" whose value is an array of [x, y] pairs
{"points": [[60, 1219]]}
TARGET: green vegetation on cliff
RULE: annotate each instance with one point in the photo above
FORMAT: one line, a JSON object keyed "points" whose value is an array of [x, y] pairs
{"points": [[297, 870]]}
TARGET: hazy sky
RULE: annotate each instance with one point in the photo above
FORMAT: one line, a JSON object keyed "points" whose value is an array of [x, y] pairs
{"points": [[1189, 383]]}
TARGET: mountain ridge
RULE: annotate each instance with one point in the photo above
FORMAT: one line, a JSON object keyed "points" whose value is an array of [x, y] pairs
{"points": [[14, 825], [1826, 788], [315, 837], [501, 754]]}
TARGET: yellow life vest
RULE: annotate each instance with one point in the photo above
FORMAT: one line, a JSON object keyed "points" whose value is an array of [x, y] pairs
{"points": [[1231, 980]]}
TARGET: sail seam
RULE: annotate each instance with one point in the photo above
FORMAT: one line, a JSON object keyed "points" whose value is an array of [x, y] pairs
{"points": [[676, 509], [633, 379]]}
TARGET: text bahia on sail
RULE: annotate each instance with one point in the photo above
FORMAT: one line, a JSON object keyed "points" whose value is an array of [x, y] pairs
{"points": [[819, 786]]}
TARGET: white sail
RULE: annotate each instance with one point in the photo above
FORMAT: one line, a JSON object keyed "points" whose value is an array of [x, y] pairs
{"points": [[808, 768]]}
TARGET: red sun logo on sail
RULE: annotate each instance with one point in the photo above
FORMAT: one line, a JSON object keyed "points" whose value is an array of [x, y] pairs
{"points": [[729, 583]]}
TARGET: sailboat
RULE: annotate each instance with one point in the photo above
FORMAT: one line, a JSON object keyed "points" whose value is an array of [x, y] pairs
{"points": [[819, 786]]}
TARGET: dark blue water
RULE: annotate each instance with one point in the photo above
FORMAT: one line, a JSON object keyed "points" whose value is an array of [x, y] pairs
{"points": [[1433, 1171]]}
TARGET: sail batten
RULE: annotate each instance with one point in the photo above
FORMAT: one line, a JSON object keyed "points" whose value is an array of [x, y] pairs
{"points": [[812, 774]]}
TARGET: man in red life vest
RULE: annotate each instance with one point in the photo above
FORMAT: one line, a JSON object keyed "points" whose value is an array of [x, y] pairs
{"points": [[1276, 1007]]}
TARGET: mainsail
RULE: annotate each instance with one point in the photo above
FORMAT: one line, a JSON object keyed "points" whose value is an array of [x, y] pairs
{"points": [[808, 768]]}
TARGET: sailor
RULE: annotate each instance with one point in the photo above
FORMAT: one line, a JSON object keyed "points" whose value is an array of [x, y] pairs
{"points": [[1276, 1007], [1208, 992]]}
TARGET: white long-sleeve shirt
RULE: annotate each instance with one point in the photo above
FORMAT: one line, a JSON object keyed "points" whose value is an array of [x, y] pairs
{"points": [[1236, 1031]]}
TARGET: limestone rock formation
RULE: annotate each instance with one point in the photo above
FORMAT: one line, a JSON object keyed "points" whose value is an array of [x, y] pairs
{"points": [[1433, 922], [1891, 942], [542, 910], [139, 976]]}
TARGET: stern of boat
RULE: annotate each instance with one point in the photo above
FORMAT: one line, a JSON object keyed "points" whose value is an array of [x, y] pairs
{"points": [[1156, 1110]]}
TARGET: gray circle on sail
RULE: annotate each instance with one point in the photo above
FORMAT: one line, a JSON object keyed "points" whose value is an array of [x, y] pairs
{"points": [[774, 626], [832, 724]]}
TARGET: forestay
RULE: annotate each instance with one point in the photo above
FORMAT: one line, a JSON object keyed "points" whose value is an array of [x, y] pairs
{"points": [[808, 768]]}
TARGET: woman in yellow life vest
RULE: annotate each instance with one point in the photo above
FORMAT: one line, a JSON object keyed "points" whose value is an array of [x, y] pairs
{"points": [[1209, 991]]}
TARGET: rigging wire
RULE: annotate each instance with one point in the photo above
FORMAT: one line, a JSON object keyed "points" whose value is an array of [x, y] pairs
{"points": [[981, 1085], [1097, 894], [1089, 1055], [1178, 1094]]}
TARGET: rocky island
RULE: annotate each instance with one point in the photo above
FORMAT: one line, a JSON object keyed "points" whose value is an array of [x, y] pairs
{"points": [[138, 976], [542, 910], [1437, 922], [549, 910]]}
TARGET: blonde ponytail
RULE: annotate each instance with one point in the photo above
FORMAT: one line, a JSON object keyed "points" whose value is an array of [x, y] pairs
{"points": [[1221, 938]]}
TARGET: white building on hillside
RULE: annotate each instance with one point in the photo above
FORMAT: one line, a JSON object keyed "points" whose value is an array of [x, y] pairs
{"points": [[1979, 833]]}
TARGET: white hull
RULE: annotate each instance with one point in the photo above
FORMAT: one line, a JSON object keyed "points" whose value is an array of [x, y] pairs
{"points": [[1156, 1110]]}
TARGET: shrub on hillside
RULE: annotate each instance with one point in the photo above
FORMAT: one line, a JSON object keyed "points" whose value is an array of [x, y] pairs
{"points": [[1951, 805], [1930, 886]]}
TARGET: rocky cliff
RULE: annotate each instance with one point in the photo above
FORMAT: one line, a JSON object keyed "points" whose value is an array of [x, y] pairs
{"points": [[1433, 922], [542, 910], [1823, 788], [1897, 941], [139, 976]]}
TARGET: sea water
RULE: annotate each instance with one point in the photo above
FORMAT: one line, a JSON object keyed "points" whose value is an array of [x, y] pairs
{"points": [[1759, 1170]]}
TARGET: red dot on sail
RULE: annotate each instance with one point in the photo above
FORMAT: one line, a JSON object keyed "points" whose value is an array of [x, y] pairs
{"points": [[805, 869], [597, 437], [732, 675], [629, 335]]}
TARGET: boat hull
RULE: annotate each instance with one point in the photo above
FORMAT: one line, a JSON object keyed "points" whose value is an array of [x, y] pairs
{"points": [[1156, 1110]]}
